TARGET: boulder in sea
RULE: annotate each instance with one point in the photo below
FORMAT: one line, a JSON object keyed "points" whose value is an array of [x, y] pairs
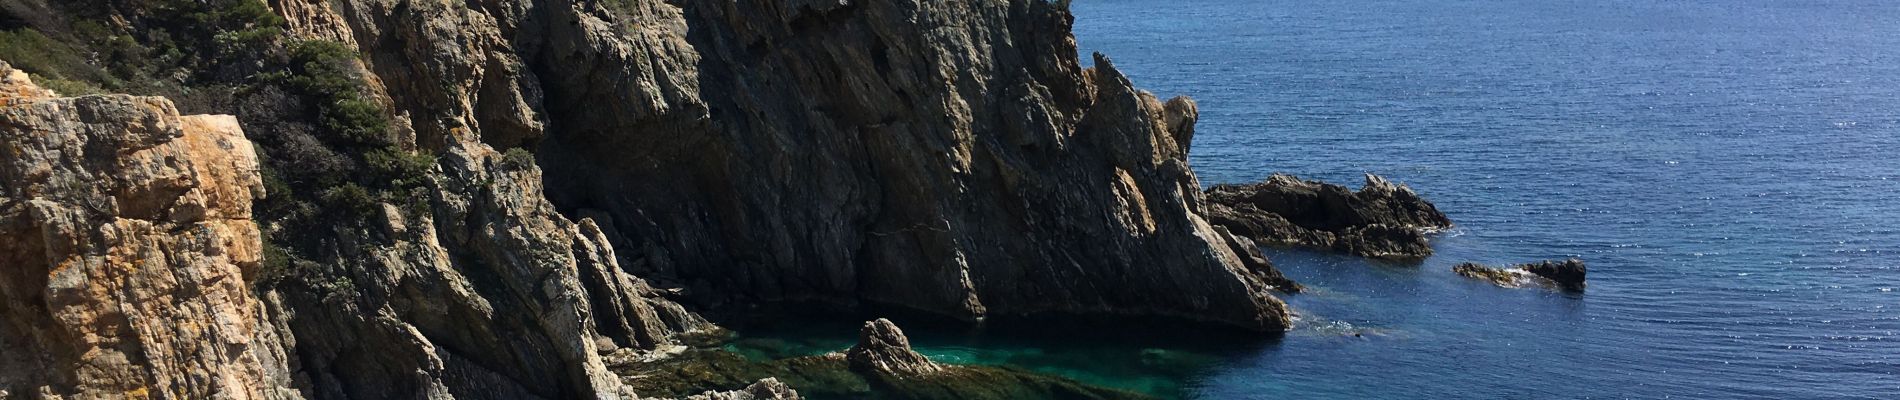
{"points": [[883, 349], [1381, 220], [1567, 274]]}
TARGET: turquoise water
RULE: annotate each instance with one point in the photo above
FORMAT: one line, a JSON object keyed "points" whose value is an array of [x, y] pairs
{"points": [[1730, 169]]}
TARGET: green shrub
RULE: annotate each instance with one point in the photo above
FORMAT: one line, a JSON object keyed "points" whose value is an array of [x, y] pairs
{"points": [[350, 200], [400, 168], [31, 51], [326, 72], [518, 158], [276, 264]]}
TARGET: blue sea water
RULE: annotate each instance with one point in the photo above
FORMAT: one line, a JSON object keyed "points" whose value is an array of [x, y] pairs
{"points": [[1730, 170]]}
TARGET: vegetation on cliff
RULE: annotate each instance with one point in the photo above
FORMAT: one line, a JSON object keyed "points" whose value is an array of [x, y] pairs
{"points": [[328, 151]]}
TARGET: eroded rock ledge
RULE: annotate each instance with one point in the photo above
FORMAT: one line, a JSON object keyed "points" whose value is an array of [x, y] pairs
{"points": [[1381, 220]]}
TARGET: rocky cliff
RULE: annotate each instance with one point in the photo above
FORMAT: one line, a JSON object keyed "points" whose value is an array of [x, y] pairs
{"points": [[552, 183], [127, 251], [952, 157]]}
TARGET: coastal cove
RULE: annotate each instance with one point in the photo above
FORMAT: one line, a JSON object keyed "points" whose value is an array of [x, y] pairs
{"points": [[958, 200], [1726, 168]]}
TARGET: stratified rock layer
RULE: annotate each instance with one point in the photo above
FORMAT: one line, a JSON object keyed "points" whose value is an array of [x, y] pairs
{"points": [[1381, 220], [126, 251]]}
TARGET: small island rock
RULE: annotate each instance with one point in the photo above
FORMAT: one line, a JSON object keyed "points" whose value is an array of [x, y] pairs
{"points": [[883, 349], [1567, 274], [1381, 220]]}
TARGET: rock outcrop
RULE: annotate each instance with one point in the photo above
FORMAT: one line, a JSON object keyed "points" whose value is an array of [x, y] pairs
{"points": [[127, 250], [883, 349], [952, 157], [1567, 274], [1381, 220]]}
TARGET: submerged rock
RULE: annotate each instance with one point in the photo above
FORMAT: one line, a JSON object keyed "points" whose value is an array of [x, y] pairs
{"points": [[764, 389], [882, 365], [1381, 220], [1567, 274]]}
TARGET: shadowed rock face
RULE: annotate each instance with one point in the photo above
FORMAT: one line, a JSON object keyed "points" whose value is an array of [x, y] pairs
{"points": [[1381, 220], [126, 250], [953, 157], [1567, 274]]}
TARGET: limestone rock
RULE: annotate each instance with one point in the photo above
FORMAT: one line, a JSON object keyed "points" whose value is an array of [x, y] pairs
{"points": [[126, 251], [1381, 220], [1567, 274], [884, 350]]}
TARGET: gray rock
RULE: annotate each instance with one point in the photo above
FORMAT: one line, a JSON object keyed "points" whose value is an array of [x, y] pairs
{"points": [[883, 350]]}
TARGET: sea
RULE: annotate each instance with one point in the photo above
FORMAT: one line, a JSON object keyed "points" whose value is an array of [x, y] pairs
{"points": [[1729, 170]]}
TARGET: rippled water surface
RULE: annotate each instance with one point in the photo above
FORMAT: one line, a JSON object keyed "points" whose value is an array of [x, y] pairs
{"points": [[1730, 169]]}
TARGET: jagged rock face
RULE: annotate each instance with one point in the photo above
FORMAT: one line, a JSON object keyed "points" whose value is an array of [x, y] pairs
{"points": [[484, 291], [946, 156], [1381, 220], [126, 251], [487, 294], [883, 350], [1566, 275]]}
